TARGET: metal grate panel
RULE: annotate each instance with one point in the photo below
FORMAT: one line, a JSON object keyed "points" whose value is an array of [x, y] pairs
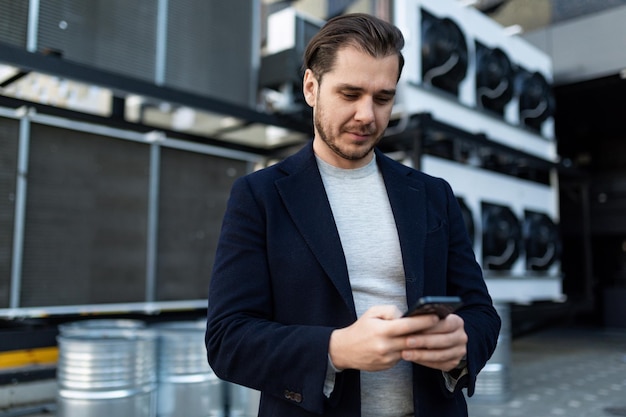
{"points": [[85, 234], [9, 137], [14, 22], [114, 35], [210, 48], [193, 195]]}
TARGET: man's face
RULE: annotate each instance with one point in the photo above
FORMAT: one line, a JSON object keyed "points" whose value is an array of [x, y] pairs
{"points": [[351, 106]]}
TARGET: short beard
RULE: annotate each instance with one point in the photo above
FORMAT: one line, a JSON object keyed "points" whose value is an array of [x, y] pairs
{"points": [[332, 144]]}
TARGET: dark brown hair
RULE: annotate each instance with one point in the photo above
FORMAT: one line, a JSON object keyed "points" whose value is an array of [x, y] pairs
{"points": [[365, 32]]}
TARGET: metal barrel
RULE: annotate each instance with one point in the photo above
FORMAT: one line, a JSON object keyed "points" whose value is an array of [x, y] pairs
{"points": [[242, 401], [187, 385], [82, 326], [493, 383], [106, 371]]}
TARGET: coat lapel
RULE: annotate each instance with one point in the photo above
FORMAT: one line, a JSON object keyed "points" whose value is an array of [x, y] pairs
{"points": [[312, 215], [408, 203]]}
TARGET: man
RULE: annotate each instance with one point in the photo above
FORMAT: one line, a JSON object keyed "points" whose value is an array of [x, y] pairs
{"points": [[320, 254]]}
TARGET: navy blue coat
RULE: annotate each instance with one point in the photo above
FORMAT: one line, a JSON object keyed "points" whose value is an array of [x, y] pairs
{"points": [[280, 287]]}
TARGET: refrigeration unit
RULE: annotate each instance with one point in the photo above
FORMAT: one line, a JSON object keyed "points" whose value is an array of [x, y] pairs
{"points": [[479, 101], [514, 231], [465, 69], [513, 224], [179, 44]]}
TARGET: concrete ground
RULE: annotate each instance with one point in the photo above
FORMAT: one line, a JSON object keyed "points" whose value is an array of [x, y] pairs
{"points": [[573, 372]]}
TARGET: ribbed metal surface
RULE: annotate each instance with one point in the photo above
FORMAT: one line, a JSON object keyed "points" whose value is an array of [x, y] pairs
{"points": [[181, 349], [85, 235], [115, 35], [192, 198], [210, 48], [14, 22], [9, 135], [494, 381], [104, 361], [105, 372], [243, 401], [77, 328], [187, 385]]}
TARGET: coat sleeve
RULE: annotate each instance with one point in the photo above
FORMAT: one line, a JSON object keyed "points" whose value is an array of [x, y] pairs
{"points": [[247, 343]]}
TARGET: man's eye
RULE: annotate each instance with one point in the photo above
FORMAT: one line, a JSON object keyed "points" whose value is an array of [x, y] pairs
{"points": [[383, 100], [350, 96]]}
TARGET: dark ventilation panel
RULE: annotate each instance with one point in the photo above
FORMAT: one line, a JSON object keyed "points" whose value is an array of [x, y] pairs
{"points": [[112, 35], [14, 22], [494, 79], [502, 237], [468, 219], [190, 218], [536, 103], [541, 240], [211, 49], [444, 53], [86, 230], [9, 143]]}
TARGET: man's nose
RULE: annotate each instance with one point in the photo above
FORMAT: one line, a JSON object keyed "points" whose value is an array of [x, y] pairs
{"points": [[365, 111]]}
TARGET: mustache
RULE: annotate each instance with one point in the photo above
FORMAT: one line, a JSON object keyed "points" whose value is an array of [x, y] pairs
{"points": [[361, 130]]}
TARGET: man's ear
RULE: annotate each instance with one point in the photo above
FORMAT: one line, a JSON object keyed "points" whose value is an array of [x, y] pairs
{"points": [[310, 87]]}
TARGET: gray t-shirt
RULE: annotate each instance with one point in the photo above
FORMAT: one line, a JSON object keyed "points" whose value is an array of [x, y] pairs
{"points": [[367, 229]]}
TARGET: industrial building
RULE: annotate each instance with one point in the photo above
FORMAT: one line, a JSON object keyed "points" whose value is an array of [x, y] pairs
{"points": [[124, 124]]}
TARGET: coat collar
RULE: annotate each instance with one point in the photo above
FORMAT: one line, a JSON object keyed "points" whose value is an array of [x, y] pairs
{"points": [[300, 190]]}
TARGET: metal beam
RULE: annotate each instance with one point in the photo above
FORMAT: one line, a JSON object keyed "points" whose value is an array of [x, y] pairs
{"points": [[123, 85]]}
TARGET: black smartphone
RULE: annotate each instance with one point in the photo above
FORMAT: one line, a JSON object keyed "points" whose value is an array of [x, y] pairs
{"points": [[441, 306]]}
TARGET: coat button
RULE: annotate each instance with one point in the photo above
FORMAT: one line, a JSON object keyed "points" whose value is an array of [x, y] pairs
{"points": [[293, 396]]}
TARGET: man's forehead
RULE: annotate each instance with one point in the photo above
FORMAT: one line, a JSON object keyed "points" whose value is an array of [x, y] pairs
{"points": [[358, 76], [353, 59]]}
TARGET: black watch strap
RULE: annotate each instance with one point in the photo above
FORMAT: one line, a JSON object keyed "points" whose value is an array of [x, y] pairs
{"points": [[456, 372]]}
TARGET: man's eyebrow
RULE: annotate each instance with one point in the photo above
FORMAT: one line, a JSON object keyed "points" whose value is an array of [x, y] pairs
{"points": [[349, 87]]}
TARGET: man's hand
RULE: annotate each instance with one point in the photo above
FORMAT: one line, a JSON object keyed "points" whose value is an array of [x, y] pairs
{"points": [[380, 338], [441, 346]]}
